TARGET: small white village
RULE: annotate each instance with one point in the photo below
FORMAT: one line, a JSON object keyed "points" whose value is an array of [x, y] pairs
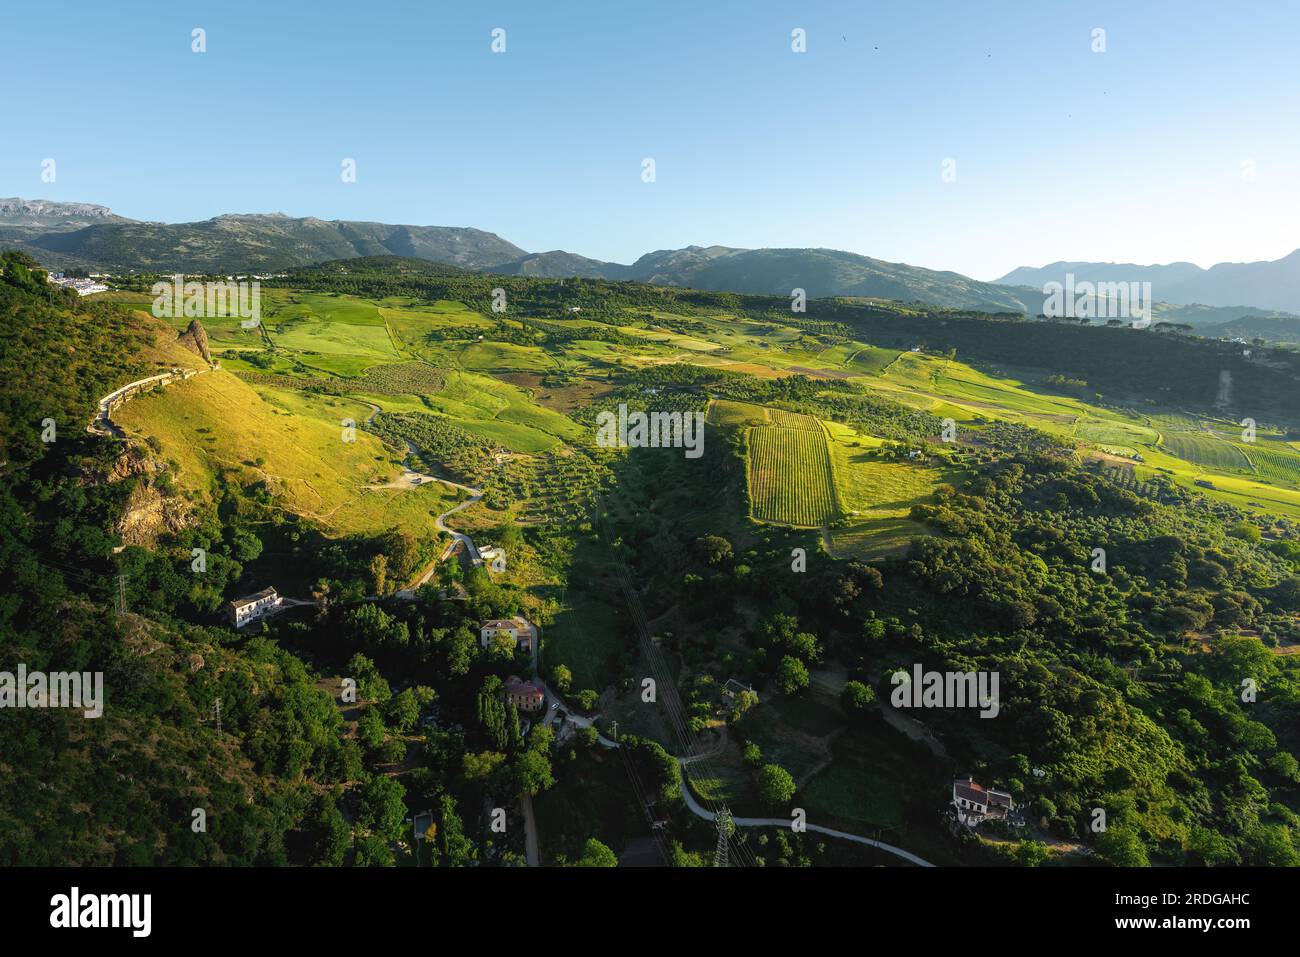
{"points": [[84, 286]]}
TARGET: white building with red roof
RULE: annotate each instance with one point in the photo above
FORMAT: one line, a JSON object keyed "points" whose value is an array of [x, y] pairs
{"points": [[975, 803]]}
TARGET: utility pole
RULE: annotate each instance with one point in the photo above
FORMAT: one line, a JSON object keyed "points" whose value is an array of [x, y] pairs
{"points": [[723, 821], [613, 730], [218, 708], [121, 594]]}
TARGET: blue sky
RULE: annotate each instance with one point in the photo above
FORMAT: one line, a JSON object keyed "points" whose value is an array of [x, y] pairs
{"points": [[1135, 154]]}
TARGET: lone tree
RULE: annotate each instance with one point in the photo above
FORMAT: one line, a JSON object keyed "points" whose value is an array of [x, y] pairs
{"points": [[792, 675], [596, 854], [713, 549], [562, 678], [775, 785], [856, 698]]}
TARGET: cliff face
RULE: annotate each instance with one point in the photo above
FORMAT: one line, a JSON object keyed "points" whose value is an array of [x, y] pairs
{"points": [[151, 508], [195, 338]]}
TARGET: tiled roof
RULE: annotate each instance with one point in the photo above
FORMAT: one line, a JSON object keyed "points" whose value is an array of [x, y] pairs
{"points": [[255, 597]]}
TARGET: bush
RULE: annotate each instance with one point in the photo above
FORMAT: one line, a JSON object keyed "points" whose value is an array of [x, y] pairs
{"points": [[775, 785]]}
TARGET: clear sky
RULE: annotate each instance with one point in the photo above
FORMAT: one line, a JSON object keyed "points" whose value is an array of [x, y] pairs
{"points": [[1134, 154]]}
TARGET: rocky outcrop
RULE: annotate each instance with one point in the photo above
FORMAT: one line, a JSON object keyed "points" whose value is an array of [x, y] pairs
{"points": [[151, 509], [149, 513], [195, 338]]}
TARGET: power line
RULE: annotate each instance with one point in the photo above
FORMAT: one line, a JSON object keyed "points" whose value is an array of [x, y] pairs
{"points": [[724, 825], [687, 740]]}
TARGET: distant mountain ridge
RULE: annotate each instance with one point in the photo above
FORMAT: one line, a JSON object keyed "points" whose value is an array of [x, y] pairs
{"points": [[64, 235], [1266, 284], [258, 242], [46, 213]]}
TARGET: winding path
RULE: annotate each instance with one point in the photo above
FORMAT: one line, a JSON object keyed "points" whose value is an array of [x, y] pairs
{"points": [[696, 808], [102, 424], [411, 477], [699, 811]]}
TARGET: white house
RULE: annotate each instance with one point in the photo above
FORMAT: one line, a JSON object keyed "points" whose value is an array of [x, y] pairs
{"points": [[520, 631], [975, 804], [253, 607], [733, 688], [494, 558]]}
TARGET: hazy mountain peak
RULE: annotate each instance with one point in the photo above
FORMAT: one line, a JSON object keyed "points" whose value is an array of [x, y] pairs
{"points": [[1264, 284]]}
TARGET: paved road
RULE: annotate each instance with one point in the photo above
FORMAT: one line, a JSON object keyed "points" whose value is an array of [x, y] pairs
{"points": [[699, 811], [409, 477], [702, 812]]}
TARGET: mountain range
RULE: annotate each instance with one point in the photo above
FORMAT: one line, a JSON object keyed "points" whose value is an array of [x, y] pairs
{"points": [[84, 235], [1267, 285]]}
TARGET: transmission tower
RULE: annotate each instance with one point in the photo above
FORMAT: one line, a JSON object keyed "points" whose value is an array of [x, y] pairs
{"points": [[723, 821]]}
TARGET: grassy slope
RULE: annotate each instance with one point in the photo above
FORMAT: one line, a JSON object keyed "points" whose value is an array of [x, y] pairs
{"points": [[216, 421]]}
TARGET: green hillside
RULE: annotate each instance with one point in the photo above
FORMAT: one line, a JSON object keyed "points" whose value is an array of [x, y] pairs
{"points": [[879, 485]]}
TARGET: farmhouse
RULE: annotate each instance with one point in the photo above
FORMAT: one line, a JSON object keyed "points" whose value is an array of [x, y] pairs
{"points": [[733, 687], [254, 607], [517, 628], [524, 695], [494, 558], [975, 803]]}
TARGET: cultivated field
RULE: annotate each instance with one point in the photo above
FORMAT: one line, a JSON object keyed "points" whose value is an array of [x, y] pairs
{"points": [[1278, 465], [1204, 448], [794, 420], [791, 480], [726, 413]]}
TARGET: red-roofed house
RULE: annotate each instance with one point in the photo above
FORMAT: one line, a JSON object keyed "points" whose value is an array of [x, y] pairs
{"points": [[975, 803], [524, 695]]}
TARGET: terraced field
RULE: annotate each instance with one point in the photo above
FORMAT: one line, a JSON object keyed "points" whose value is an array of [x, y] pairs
{"points": [[1204, 448], [1174, 422], [793, 420], [857, 358], [791, 481], [1276, 466], [402, 378]]}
